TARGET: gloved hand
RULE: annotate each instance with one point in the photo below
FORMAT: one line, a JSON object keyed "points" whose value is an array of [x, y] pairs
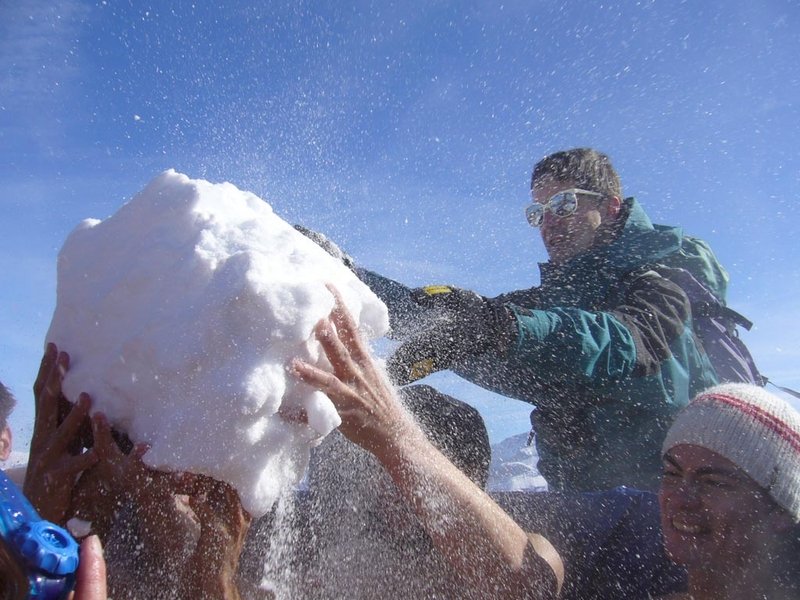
{"points": [[470, 325], [326, 244]]}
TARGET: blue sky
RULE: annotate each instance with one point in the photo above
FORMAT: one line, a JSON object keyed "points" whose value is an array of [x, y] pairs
{"points": [[405, 131]]}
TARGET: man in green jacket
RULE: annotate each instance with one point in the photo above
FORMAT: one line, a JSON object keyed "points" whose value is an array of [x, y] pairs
{"points": [[603, 347]]}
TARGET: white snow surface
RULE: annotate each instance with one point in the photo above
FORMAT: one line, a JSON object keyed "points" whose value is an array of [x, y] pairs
{"points": [[514, 466], [181, 313]]}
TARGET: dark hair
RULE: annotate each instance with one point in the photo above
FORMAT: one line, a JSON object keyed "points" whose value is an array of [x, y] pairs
{"points": [[7, 403], [588, 168]]}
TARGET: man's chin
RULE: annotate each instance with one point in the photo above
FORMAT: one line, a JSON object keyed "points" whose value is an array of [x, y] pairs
{"points": [[688, 553], [557, 253]]}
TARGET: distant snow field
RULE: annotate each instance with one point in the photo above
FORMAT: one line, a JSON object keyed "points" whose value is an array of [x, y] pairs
{"points": [[180, 313], [513, 467], [16, 459]]}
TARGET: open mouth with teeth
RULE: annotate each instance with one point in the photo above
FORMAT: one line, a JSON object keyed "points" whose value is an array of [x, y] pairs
{"points": [[686, 526]]}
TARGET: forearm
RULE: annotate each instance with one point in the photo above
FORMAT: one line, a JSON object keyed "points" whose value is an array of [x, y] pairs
{"points": [[405, 315], [467, 527]]}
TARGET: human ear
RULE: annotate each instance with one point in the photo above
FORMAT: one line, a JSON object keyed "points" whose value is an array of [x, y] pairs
{"points": [[613, 206], [5, 443]]}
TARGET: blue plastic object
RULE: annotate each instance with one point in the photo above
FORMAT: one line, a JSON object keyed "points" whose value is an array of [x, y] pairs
{"points": [[43, 556]]}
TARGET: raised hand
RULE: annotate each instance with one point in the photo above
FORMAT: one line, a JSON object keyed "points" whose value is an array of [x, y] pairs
{"points": [[366, 402], [57, 456], [471, 531], [469, 325], [115, 478]]}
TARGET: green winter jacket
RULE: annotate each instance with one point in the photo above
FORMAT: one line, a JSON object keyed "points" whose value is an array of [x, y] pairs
{"points": [[606, 353]]}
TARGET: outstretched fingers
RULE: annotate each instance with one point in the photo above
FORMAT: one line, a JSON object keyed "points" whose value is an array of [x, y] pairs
{"points": [[68, 430], [343, 365], [348, 330], [104, 444], [47, 392], [139, 450], [80, 463], [48, 361], [353, 408], [128, 470], [327, 383]]}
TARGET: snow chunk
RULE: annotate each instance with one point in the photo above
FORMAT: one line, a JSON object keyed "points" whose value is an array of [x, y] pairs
{"points": [[79, 528], [180, 313]]}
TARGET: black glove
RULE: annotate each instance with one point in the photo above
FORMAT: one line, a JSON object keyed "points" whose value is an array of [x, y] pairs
{"points": [[326, 244], [470, 325]]}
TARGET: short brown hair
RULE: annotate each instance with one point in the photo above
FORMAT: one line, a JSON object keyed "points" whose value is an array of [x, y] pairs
{"points": [[588, 168]]}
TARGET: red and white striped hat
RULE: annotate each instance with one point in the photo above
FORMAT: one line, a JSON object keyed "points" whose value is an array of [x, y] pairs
{"points": [[755, 430]]}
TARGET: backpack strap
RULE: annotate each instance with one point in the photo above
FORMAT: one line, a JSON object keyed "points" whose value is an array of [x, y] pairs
{"points": [[718, 310], [789, 391], [704, 302]]}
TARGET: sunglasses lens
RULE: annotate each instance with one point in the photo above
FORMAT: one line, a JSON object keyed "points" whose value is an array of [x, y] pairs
{"points": [[535, 215], [561, 205], [564, 204]]}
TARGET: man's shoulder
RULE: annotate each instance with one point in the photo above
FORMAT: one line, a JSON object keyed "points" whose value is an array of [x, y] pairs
{"points": [[696, 257], [689, 256]]}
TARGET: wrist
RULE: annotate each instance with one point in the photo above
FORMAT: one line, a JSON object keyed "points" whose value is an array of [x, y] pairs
{"points": [[501, 332]]}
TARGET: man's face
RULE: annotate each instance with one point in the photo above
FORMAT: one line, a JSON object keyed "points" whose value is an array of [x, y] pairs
{"points": [[565, 237], [713, 515]]}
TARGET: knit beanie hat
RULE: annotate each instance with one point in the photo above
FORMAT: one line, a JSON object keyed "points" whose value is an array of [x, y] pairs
{"points": [[755, 430]]}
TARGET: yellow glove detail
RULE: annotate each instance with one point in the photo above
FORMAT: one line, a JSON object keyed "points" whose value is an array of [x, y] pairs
{"points": [[432, 290]]}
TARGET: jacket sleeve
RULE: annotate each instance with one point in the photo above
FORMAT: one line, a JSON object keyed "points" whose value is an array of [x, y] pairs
{"points": [[406, 317], [630, 338]]}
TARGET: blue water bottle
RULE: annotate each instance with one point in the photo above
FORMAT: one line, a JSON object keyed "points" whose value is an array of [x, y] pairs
{"points": [[38, 559]]}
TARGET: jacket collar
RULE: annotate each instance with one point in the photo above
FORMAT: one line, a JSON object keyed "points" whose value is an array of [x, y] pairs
{"points": [[639, 243]]}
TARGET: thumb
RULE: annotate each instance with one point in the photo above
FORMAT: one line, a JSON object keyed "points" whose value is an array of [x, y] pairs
{"points": [[91, 576]]}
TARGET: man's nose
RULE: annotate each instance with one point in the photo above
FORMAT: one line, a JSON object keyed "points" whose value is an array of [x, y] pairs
{"points": [[687, 494]]}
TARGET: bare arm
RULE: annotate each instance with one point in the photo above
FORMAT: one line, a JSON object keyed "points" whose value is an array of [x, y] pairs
{"points": [[472, 532]]}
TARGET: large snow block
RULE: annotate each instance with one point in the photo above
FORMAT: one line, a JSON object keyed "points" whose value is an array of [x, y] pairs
{"points": [[181, 312]]}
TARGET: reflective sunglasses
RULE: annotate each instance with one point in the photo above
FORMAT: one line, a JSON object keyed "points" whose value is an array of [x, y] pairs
{"points": [[562, 204]]}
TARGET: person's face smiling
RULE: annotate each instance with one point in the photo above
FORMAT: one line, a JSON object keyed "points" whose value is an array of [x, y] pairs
{"points": [[713, 515], [568, 236]]}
